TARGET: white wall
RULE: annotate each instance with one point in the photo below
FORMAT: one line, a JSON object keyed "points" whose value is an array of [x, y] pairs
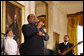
{"points": [[57, 22], [50, 25], [71, 7], [29, 8]]}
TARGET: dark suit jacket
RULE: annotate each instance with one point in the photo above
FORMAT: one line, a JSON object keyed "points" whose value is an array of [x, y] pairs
{"points": [[62, 47], [33, 44]]}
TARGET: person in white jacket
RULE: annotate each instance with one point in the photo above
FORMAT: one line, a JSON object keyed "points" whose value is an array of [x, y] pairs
{"points": [[11, 47]]}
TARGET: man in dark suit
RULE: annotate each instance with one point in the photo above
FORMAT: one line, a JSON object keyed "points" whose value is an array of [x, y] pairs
{"points": [[33, 37], [65, 46]]}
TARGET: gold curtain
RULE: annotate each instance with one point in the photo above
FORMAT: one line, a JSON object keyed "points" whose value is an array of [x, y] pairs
{"points": [[72, 31], [80, 19], [73, 21]]}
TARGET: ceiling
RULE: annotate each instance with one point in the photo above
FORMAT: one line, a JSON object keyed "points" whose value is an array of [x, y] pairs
{"points": [[68, 7], [72, 6]]}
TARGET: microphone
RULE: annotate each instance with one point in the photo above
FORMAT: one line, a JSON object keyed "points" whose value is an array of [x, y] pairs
{"points": [[36, 21], [43, 25]]}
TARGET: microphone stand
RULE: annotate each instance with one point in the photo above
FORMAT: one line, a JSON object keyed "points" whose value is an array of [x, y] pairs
{"points": [[2, 53]]}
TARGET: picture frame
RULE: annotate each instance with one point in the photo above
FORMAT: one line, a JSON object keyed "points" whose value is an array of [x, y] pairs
{"points": [[8, 12]]}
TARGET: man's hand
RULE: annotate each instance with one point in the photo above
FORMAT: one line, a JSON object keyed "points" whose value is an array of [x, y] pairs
{"points": [[40, 33], [59, 52]]}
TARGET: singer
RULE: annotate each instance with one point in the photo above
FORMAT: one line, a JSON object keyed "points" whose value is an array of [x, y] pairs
{"points": [[10, 44], [34, 37]]}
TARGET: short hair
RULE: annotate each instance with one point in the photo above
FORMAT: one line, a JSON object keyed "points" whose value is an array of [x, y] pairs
{"points": [[66, 35], [28, 17], [8, 31]]}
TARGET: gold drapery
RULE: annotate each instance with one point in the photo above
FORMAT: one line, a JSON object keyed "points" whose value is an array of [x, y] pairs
{"points": [[73, 21], [80, 19]]}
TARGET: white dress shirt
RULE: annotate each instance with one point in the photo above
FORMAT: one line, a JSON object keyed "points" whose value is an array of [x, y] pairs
{"points": [[65, 43], [10, 46]]}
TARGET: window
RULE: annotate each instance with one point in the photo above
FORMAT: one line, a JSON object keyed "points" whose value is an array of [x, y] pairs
{"points": [[80, 38]]}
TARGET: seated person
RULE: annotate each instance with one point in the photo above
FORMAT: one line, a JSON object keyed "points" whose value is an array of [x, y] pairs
{"points": [[63, 47]]}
